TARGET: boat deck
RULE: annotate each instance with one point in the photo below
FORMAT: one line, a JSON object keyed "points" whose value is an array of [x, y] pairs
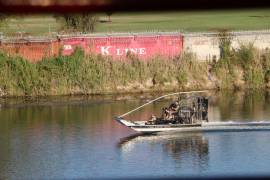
{"points": [[204, 126], [141, 124]]}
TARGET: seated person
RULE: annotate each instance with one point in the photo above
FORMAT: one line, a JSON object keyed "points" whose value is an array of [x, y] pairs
{"points": [[175, 107], [165, 114], [169, 114], [152, 120], [153, 117]]}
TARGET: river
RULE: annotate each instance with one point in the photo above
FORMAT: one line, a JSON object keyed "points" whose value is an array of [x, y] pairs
{"points": [[76, 137]]}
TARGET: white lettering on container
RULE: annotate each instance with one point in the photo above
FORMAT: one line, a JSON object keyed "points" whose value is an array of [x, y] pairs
{"points": [[105, 50], [67, 47], [142, 51], [119, 52]]}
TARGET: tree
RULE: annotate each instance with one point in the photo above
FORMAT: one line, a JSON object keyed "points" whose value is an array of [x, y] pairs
{"points": [[109, 14], [84, 22]]}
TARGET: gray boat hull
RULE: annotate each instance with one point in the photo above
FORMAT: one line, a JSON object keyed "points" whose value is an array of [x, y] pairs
{"points": [[140, 126]]}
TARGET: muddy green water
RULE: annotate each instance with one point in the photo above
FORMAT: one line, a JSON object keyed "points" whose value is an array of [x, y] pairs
{"points": [[76, 137]]}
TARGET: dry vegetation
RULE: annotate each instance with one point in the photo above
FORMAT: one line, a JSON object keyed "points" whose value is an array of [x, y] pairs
{"points": [[94, 74]]}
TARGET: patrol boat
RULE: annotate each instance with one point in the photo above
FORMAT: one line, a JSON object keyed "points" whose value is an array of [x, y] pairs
{"points": [[187, 115]]}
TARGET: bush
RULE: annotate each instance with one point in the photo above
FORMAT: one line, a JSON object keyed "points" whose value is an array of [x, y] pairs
{"points": [[84, 22]]}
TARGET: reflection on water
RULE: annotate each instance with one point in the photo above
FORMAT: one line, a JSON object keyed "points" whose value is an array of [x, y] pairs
{"points": [[241, 105], [181, 147], [194, 146], [76, 137]]}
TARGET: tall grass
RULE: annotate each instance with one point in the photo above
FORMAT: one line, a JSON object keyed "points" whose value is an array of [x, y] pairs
{"points": [[87, 74], [245, 67], [92, 74]]}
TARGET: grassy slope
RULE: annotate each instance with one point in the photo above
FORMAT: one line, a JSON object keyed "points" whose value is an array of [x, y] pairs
{"points": [[33, 24], [154, 21], [189, 21]]}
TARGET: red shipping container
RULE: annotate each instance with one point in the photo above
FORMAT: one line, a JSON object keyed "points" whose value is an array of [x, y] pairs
{"points": [[142, 46], [33, 51]]}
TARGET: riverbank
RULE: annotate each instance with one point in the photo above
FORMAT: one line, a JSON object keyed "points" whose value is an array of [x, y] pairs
{"points": [[93, 74]]}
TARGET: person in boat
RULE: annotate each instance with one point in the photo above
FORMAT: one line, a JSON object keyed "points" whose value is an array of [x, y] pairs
{"points": [[174, 107], [166, 114], [152, 120], [173, 110], [153, 117]]}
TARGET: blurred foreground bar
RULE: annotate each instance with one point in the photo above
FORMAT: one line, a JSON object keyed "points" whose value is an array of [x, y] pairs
{"points": [[40, 6]]}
